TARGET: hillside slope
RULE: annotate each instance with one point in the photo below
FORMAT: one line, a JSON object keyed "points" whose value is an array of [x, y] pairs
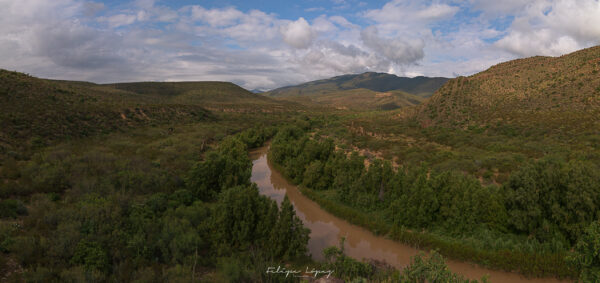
{"points": [[367, 91], [361, 99], [208, 94], [36, 112], [378, 82], [557, 93]]}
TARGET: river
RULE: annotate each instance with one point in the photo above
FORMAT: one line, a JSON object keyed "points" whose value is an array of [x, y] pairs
{"points": [[327, 230]]}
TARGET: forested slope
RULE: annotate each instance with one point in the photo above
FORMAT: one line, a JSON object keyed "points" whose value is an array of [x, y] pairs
{"points": [[531, 224]]}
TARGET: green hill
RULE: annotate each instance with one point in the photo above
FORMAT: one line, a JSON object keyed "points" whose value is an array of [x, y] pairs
{"points": [[36, 112], [361, 99], [210, 94], [367, 91], [558, 93], [379, 82]]}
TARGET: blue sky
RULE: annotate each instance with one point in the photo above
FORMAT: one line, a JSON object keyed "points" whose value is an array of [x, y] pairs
{"points": [[268, 44]]}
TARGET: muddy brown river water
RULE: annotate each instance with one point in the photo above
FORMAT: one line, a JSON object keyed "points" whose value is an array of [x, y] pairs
{"points": [[327, 230]]}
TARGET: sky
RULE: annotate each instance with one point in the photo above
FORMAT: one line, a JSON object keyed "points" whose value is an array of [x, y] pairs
{"points": [[261, 44]]}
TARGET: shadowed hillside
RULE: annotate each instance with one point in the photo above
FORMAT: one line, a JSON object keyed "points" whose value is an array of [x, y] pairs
{"points": [[548, 92], [209, 94], [37, 112], [361, 99], [379, 82], [367, 91]]}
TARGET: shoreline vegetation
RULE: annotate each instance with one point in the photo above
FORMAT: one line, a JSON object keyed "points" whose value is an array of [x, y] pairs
{"points": [[455, 250], [320, 180], [211, 226]]}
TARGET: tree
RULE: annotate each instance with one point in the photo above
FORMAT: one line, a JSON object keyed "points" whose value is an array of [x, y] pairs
{"points": [[587, 253], [431, 269], [552, 198], [289, 237], [227, 167]]}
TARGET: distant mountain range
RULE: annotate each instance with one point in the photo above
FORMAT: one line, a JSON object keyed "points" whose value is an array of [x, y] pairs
{"points": [[367, 91]]}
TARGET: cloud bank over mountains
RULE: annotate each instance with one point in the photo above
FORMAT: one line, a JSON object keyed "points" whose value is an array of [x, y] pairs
{"points": [[150, 40]]}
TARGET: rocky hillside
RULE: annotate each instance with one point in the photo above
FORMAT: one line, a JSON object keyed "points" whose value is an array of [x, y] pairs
{"points": [[555, 93]]}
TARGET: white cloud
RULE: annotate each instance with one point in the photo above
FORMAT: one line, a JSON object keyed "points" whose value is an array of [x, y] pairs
{"points": [[82, 40], [323, 24], [341, 21], [580, 20], [329, 58], [217, 17], [537, 42], [120, 20], [436, 12], [401, 52], [553, 28], [298, 34], [411, 12]]}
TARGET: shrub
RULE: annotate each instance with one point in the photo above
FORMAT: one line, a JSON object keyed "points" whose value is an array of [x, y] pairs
{"points": [[11, 208]]}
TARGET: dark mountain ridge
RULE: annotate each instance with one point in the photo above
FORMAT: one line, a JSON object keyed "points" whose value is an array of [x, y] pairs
{"points": [[379, 82]]}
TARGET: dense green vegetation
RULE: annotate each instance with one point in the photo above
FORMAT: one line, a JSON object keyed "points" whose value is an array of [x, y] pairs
{"points": [[141, 207], [489, 153], [214, 95], [528, 224], [131, 218], [150, 182], [35, 113], [431, 269], [422, 268], [587, 256]]}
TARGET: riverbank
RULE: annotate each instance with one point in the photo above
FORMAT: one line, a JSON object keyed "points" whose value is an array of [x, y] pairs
{"points": [[529, 265], [367, 235]]}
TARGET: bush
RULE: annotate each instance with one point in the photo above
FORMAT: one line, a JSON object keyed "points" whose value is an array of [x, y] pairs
{"points": [[431, 269], [552, 198], [11, 208], [91, 255], [587, 254]]}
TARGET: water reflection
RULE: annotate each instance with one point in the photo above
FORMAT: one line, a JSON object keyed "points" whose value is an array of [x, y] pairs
{"points": [[327, 230]]}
